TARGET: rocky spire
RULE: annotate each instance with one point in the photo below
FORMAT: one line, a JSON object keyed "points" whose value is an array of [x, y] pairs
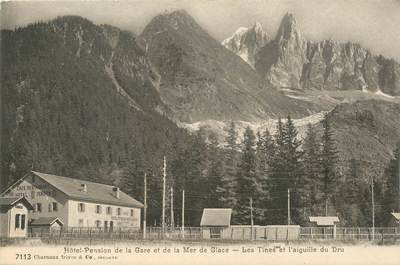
{"points": [[246, 42], [281, 61]]}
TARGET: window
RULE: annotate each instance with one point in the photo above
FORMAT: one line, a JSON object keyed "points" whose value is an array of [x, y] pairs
{"points": [[23, 221], [39, 207], [98, 223], [17, 220], [81, 207], [55, 206], [119, 211], [105, 224], [132, 212], [109, 210], [98, 209], [80, 222], [111, 225], [50, 207]]}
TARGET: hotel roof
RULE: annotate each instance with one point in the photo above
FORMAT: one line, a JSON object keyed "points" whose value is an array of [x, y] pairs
{"points": [[95, 192]]}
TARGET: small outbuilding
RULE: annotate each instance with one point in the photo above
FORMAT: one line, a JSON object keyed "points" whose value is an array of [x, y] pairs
{"points": [[45, 225], [14, 216], [326, 221], [214, 221], [395, 219]]}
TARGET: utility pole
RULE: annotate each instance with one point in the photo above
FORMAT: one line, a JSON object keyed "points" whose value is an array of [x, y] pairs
{"points": [[373, 209], [172, 209], [288, 206], [251, 217], [326, 206], [398, 173], [145, 206], [183, 214], [163, 200]]}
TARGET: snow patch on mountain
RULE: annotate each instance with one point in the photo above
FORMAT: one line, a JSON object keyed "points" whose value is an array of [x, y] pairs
{"points": [[381, 93], [220, 128]]}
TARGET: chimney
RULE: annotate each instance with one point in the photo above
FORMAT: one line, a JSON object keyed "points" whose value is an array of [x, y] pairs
{"points": [[116, 192], [84, 187]]}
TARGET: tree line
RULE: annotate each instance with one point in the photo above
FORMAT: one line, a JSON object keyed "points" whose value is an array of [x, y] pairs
{"points": [[264, 167]]}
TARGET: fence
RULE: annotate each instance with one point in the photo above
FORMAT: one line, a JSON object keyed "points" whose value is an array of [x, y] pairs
{"points": [[350, 233], [238, 233], [152, 233]]}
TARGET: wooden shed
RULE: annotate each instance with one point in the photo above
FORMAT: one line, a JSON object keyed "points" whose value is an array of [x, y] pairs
{"points": [[214, 221], [395, 220], [45, 225], [325, 222]]}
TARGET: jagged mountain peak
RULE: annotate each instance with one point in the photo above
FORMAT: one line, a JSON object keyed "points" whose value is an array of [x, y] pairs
{"points": [[246, 42], [288, 27], [257, 26]]}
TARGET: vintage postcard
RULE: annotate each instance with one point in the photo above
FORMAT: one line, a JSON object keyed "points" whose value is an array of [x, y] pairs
{"points": [[200, 132]]}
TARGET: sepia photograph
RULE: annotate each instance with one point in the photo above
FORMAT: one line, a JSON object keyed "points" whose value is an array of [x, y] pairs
{"points": [[200, 132]]}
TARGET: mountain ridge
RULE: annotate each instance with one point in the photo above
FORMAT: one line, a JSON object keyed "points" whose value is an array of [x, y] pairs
{"points": [[289, 61], [201, 79]]}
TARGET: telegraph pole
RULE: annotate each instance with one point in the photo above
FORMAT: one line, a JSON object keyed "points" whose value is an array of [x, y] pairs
{"points": [[172, 209], [145, 206], [326, 207], [163, 200], [183, 213], [251, 217], [398, 173], [373, 209], [288, 206]]}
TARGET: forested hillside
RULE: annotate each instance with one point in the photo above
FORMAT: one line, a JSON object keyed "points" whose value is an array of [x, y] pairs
{"points": [[79, 100]]}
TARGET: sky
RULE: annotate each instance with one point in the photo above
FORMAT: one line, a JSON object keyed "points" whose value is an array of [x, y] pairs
{"points": [[372, 23]]}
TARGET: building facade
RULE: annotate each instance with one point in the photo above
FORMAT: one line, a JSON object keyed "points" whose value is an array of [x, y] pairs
{"points": [[77, 203], [14, 216]]}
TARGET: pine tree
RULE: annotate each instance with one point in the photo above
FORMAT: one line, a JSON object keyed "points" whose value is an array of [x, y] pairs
{"points": [[310, 183], [328, 161], [392, 193], [353, 195], [277, 188], [230, 161], [294, 168], [246, 178], [264, 155], [196, 177], [217, 187]]}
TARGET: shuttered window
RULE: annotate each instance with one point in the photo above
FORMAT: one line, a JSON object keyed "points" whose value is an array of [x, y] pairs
{"points": [[39, 207], [81, 207], [17, 217], [23, 221]]}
